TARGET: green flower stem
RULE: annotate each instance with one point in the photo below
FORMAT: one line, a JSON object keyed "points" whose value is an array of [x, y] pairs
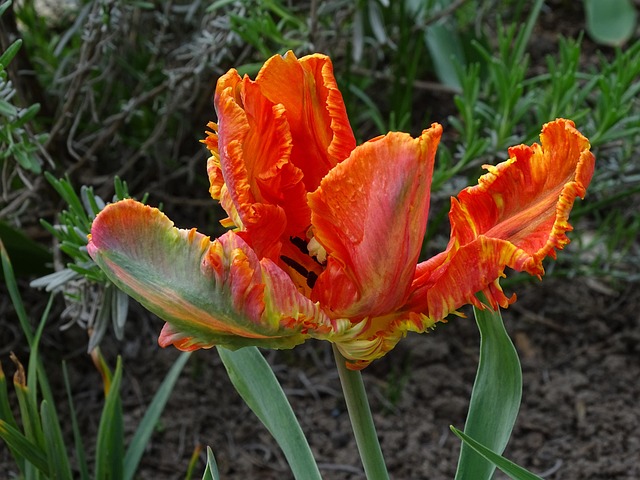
{"points": [[361, 420]]}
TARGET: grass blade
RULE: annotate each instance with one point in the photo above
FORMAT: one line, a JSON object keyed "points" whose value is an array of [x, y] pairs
{"points": [[151, 416], [16, 300], [6, 415], [81, 457], [24, 447], [59, 467], [110, 442], [6, 412], [256, 383]]}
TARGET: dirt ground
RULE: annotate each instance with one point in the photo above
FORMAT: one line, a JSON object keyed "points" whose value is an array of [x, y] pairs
{"points": [[579, 347]]}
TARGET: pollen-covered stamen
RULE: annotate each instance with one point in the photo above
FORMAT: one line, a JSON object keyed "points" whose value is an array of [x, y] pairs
{"points": [[317, 251]]}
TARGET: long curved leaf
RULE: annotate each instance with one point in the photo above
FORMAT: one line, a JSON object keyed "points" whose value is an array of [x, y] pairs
{"points": [[256, 383], [495, 399]]}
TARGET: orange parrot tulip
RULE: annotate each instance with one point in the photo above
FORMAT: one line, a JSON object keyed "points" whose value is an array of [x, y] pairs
{"points": [[326, 234]]}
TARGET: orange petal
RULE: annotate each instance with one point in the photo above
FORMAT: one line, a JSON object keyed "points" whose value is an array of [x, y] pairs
{"points": [[320, 129], [210, 293], [275, 139], [370, 214], [516, 216], [264, 193]]}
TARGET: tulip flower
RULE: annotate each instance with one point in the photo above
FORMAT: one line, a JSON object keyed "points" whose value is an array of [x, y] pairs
{"points": [[325, 235]]}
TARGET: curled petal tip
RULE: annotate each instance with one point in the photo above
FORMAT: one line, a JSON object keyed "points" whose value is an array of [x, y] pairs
{"points": [[517, 215]]}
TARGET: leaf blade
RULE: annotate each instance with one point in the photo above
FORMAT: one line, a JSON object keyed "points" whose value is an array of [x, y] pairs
{"points": [[515, 471], [495, 398], [256, 383], [110, 441]]}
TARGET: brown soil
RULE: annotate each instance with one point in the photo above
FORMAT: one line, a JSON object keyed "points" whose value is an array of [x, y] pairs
{"points": [[578, 343]]}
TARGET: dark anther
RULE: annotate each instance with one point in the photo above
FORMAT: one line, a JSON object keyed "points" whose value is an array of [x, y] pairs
{"points": [[311, 276], [311, 279], [295, 265], [300, 243]]}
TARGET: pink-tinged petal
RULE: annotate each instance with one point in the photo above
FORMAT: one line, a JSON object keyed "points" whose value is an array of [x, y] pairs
{"points": [[370, 214], [515, 217], [210, 293], [313, 105]]}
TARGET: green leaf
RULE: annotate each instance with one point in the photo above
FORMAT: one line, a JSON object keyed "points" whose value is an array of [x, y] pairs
{"points": [[507, 466], [81, 457], [371, 110], [10, 52], [65, 190], [4, 6], [218, 5], [27, 161], [59, 466], [211, 470], [25, 447], [16, 300], [522, 40], [30, 258], [26, 115], [6, 415], [151, 416], [446, 51], [28, 407], [376, 20], [612, 22], [6, 412], [110, 442], [256, 383], [7, 109], [495, 398], [357, 37]]}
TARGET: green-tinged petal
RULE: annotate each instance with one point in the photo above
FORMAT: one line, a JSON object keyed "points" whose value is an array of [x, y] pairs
{"points": [[209, 293], [370, 214]]}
